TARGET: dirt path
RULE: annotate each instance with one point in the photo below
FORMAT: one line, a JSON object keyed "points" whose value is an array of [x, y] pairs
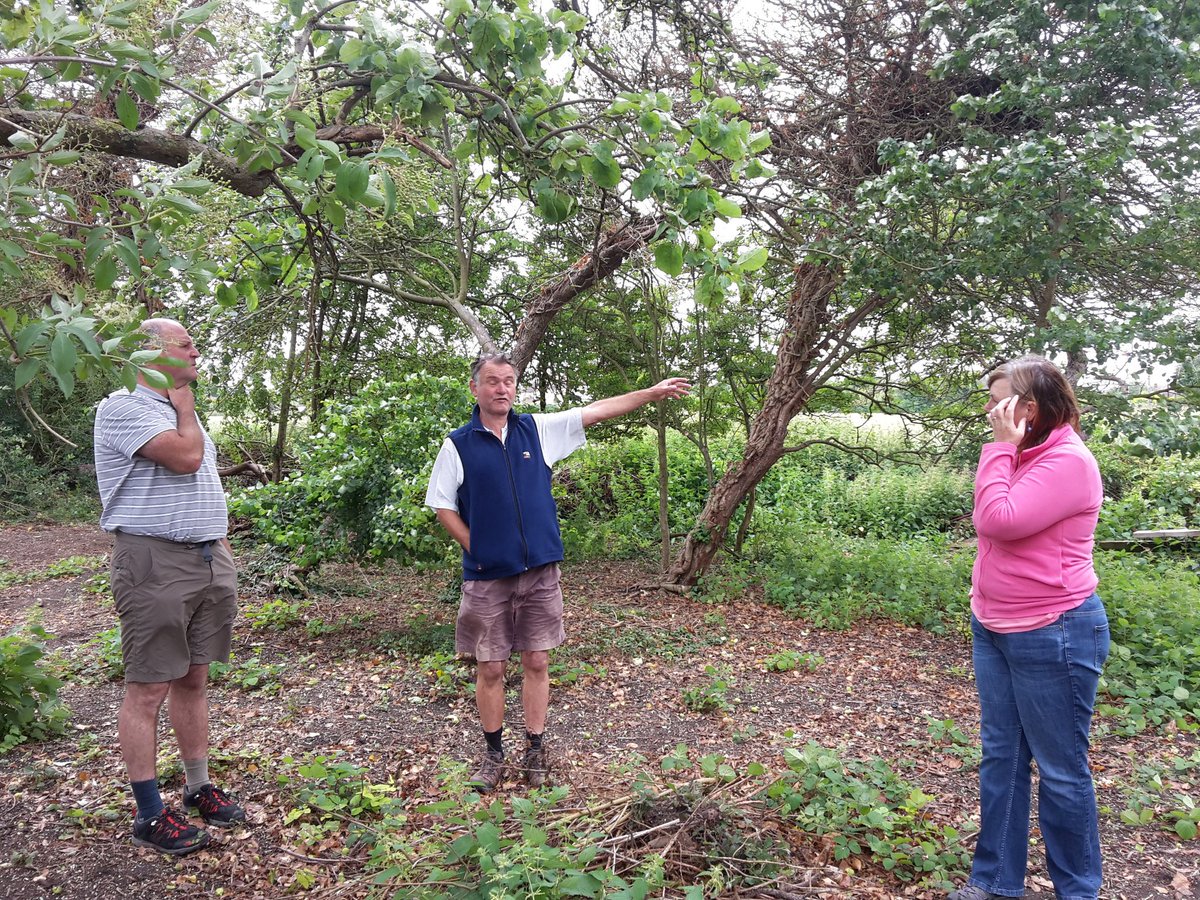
{"points": [[358, 685]]}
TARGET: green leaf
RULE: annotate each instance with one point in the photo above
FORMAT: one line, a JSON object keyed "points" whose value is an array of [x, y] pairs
{"points": [[311, 165], [753, 260], [25, 371], [554, 206], [389, 195], [63, 157], [200, 14], [31, 335], [182, 204], [127, 111], [1186, 829], [195, 186], [306, 137], [66, 381], [62, 353], [105, 273], [353, 179], [695, 204], [373, 198], [580, 884], [643, 186], [606, 173], [11, 250], [81, 329], [352, 51], [334, 212], [668, 256], [154, 378], [727, 208], [22, 141], [127, 252]]}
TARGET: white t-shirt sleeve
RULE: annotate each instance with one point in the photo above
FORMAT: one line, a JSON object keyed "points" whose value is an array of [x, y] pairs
{"points": [[445, 479], [561, 434]]}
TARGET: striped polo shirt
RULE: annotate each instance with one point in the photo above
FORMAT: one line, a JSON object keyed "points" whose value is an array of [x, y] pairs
{"points": [[139, 495]]}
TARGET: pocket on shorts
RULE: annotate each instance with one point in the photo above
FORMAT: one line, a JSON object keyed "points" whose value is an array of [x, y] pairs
{"points": [[131, 567]]}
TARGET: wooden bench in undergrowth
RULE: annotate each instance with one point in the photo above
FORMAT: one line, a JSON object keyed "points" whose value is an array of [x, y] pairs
{"points": [[1151, 538]]}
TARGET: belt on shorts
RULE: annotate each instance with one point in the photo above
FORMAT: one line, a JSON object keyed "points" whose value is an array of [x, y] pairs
{"points": [[205, 547]]}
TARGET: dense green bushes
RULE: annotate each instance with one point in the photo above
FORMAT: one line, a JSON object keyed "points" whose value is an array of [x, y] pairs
{"points": [[831, 538], [834, 579], [40, 476], [30, 709], [607, 493], [364, 469], [886, 503], [1155, 622], [836, 540]]}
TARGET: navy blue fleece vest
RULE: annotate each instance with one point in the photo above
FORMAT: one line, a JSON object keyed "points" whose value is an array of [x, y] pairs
{"points": [[505, 500]]}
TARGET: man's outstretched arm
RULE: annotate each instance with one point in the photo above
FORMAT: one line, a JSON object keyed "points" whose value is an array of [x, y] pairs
{"points": [[611, 407]]}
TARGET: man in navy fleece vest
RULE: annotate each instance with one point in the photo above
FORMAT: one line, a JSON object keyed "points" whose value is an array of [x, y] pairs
{"points": [[490, 487]]}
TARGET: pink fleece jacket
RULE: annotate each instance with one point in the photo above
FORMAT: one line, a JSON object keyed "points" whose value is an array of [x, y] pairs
{"points": [[1035, 515]]}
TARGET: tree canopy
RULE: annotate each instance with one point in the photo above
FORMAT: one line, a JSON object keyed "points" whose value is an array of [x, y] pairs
{"points": [[807, 203]]}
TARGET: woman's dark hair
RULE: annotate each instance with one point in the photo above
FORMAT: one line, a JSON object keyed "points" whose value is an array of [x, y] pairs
{"points": [[484, 358], [1036, 378]]}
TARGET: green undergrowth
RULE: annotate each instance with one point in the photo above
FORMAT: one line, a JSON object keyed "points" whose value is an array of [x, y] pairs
{"points": [[835, 580], [30, 708], [69, 567], [694, 825], [1151, 677], [1163, 792]]}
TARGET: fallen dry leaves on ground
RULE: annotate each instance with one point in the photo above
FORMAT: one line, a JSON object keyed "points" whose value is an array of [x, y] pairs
{"points": [[357, 687]]}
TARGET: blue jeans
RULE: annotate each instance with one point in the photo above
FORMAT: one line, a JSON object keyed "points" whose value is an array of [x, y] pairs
{"points": [[1037, 690]]}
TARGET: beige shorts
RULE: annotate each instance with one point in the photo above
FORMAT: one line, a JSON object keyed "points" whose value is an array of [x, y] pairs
{"points": [[522, 612], [176, 608]]}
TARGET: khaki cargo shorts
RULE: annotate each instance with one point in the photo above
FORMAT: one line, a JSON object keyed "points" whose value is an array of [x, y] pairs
{"points": [[176, 608], [522, 612]]}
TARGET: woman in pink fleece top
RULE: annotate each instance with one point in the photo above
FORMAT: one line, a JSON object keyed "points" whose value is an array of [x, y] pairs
{"points": [[1040, 634]]}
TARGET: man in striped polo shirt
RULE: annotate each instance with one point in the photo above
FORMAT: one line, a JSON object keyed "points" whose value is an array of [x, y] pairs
{"points": [[173, 580]]}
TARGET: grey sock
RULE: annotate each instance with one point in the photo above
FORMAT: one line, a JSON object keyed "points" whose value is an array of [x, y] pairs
{"points": [[195, 773]]}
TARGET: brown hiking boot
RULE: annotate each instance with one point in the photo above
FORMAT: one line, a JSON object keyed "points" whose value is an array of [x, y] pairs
{"points": [[489, 774], [536, 767]]}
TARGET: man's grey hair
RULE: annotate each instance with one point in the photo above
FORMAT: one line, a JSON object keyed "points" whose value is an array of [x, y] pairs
{"points": [[484, 358], [153, 329]]}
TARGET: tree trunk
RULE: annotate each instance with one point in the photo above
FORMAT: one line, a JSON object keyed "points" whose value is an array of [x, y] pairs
{"points": [[744, 527], [1077, 365], [285, 408], [664, 520], [788, 390], [589, 270]]}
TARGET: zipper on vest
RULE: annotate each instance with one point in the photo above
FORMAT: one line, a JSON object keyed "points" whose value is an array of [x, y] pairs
{"points": [[512, 483]]}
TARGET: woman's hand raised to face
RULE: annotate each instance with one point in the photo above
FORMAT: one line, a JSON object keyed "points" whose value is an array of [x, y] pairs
{"points": [[1002, 419]]}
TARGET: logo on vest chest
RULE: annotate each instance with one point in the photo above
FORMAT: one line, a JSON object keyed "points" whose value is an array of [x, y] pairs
{"points": [[525, 454]]}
